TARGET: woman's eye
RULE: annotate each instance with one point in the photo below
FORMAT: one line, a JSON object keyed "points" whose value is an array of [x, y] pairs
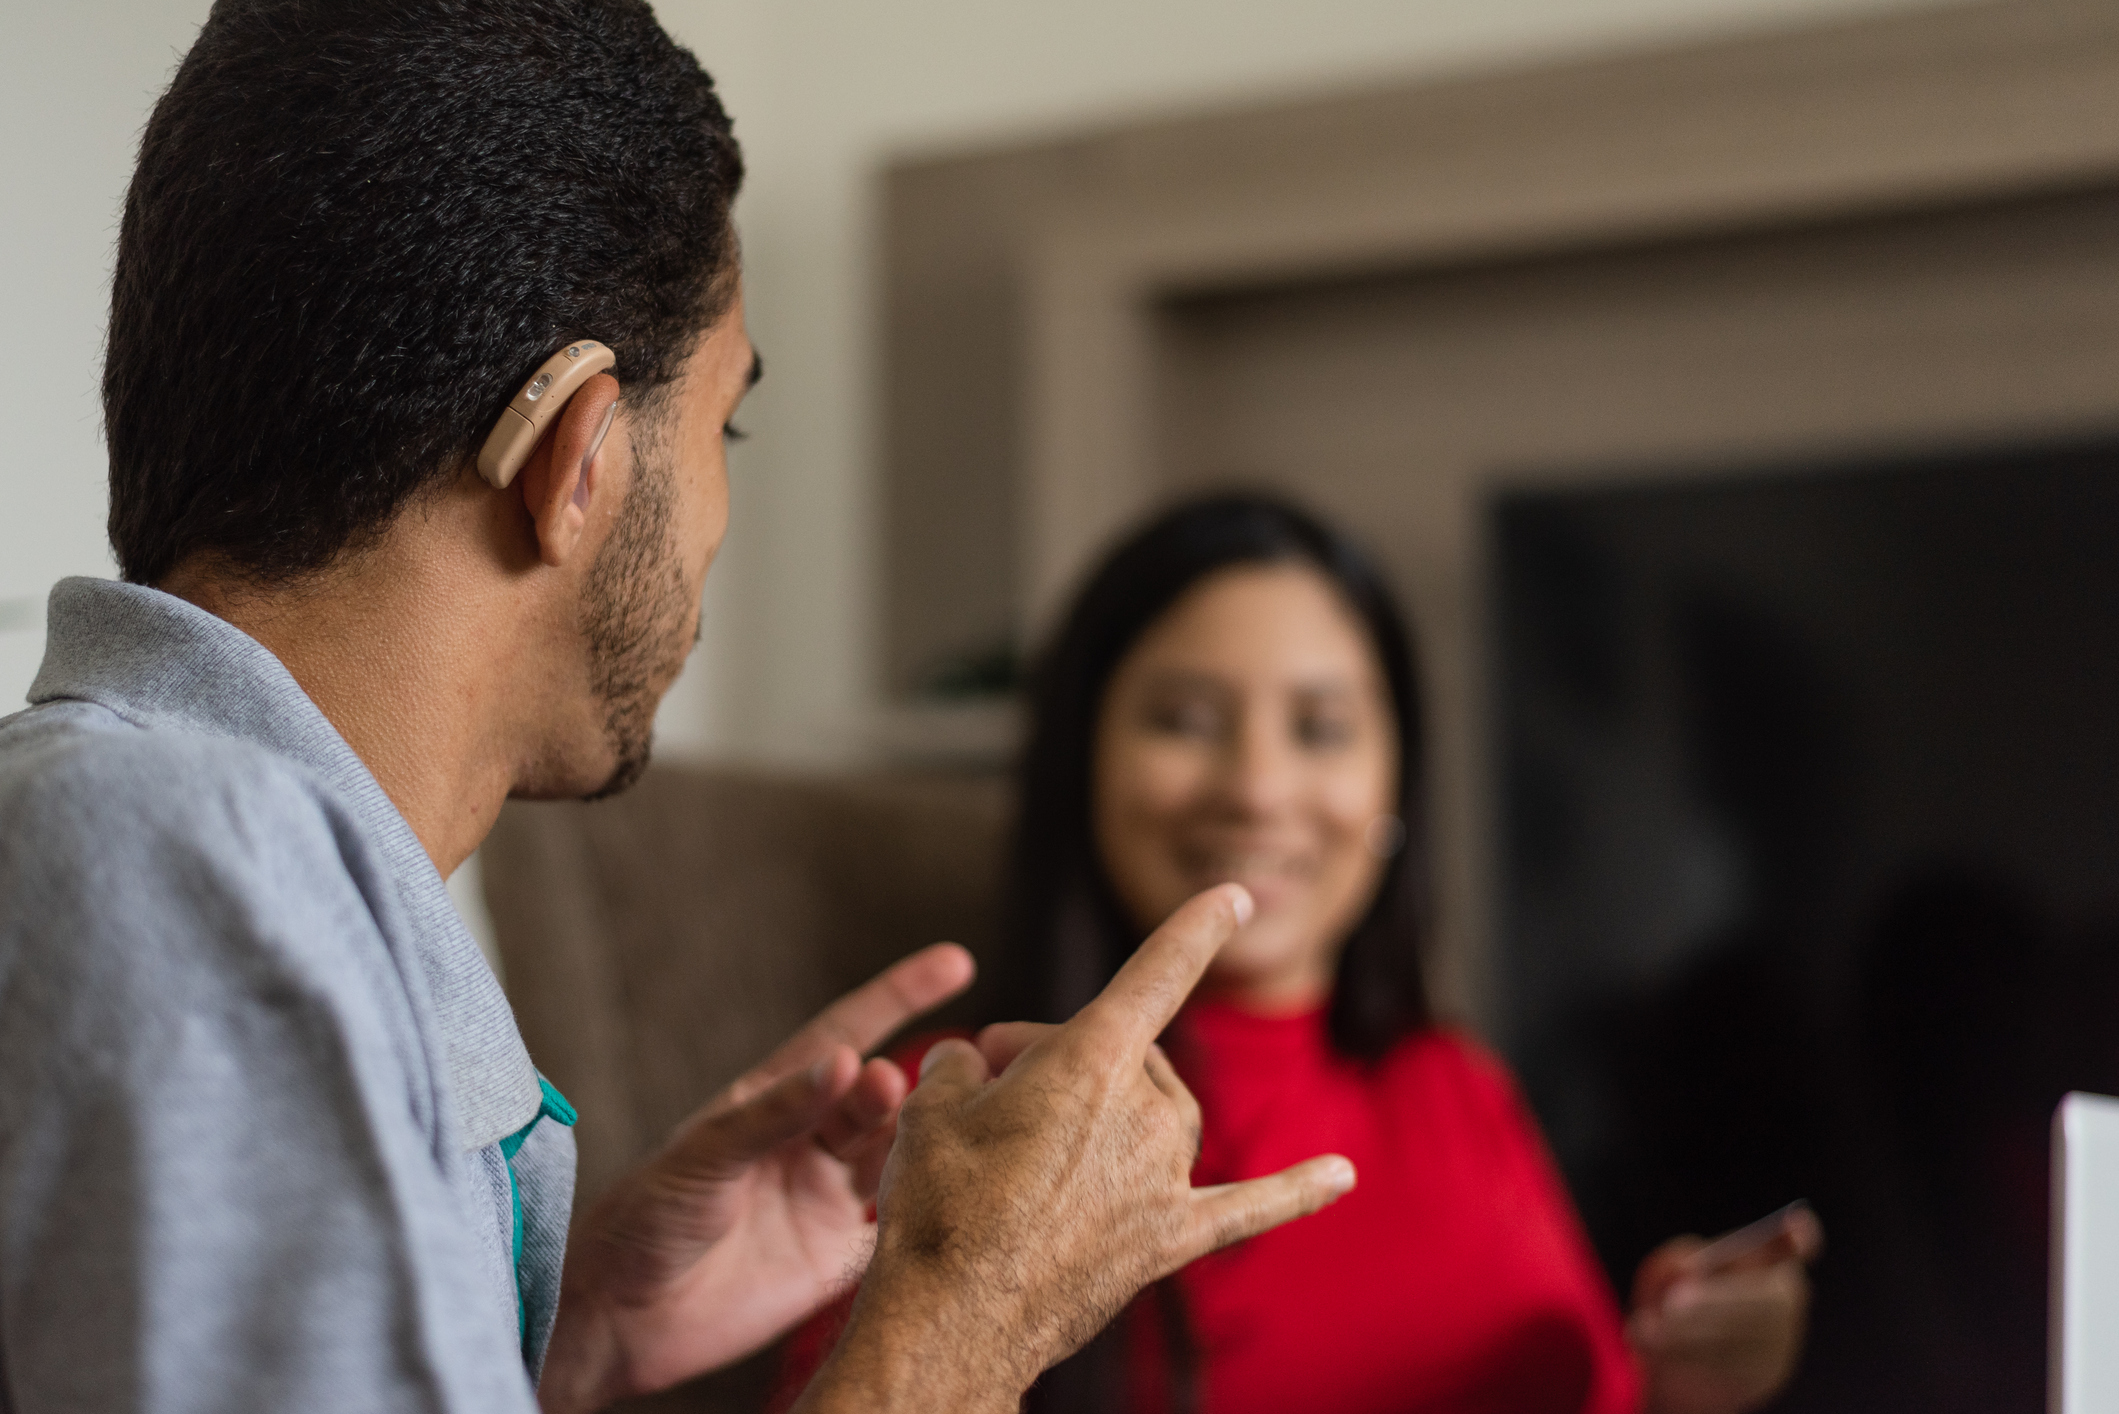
{"points": [[1319, 733], [1185, 719], [732, 433]]}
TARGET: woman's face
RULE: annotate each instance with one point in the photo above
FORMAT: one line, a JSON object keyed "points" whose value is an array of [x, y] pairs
{"points": [[1248, 736]]}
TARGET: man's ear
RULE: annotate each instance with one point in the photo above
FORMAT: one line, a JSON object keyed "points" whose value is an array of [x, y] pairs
{"points": [[565, 474]]}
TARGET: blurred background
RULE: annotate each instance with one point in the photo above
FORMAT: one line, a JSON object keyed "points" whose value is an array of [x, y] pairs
{"points": [[826, 94], [1731, 386]]}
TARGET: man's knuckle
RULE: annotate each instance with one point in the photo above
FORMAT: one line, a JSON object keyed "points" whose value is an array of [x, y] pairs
{"points": [[1165, 1127]]}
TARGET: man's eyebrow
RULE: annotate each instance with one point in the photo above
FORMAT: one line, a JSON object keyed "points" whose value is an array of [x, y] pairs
{"points": [[757, 369]]}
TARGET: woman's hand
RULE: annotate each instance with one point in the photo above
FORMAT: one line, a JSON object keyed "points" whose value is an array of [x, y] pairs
{"points": [[1722, 1338]]}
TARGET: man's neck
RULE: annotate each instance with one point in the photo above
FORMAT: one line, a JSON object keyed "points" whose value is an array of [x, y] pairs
{"points": [[394, 651]]}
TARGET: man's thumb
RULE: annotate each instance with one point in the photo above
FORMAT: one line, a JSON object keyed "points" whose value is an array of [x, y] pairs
{"points": [[722, 1143]]}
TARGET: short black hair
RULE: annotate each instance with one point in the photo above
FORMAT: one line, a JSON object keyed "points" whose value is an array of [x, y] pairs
{"points": [[1067, 932], [358, 225]]}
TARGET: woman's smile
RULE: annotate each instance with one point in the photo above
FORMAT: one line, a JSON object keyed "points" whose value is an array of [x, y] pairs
{"points": [[1274, 875]]}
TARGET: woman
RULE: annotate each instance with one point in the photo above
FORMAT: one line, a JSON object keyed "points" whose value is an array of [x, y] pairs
{"points": [[1233, 698]]}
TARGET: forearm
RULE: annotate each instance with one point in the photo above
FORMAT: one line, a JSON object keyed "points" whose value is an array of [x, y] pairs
{"points": [[920, 1353], [582, 1361]]}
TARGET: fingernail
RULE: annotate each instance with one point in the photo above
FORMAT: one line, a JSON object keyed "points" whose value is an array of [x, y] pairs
{"points": [[1240, 900], [820, 1073], [1339, 1175]]}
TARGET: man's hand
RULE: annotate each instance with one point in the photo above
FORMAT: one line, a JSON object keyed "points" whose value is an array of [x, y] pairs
{"points": [[753, 1214], [1723, 1341], [1019, 1214]]}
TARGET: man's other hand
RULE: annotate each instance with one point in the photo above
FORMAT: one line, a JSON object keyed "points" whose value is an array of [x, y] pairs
{"points": [[1021, 1211], [754, 1213]]}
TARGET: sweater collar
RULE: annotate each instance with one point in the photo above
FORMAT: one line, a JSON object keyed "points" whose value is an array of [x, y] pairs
{"points": [[1224, 1025], [163, 663]]}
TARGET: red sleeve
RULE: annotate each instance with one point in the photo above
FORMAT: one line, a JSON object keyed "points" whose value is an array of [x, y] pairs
{"points": [[810, 1344], [1616, 1386]]}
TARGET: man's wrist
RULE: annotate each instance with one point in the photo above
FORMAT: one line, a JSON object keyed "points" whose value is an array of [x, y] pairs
{"points": [[582, 1365], [915, 1342]]}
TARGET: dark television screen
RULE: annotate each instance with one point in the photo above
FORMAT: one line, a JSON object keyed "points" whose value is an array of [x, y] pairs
{"points": [[1810, 878]]}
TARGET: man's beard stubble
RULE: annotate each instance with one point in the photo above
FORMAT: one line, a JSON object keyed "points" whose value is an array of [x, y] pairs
{"points": [[634, 609]]}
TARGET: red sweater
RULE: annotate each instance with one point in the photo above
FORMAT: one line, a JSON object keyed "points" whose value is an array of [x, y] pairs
{"points": [[1454, 1279]]}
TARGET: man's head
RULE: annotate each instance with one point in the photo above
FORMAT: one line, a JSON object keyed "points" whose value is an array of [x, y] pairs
{"points": [[356, 227]]}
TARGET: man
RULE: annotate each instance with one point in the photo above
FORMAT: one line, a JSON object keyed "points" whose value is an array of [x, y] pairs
{"points": [[268, 1136]]}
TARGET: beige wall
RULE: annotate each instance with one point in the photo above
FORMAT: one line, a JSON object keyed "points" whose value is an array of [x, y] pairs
{"points": [[75, 84], [823, 91]]}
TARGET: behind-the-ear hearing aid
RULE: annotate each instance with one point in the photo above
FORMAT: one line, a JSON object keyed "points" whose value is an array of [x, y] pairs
{"points": [[525, 419]]}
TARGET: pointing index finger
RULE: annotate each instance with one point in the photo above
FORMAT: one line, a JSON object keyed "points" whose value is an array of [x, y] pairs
{"points": [[1147, 992]]}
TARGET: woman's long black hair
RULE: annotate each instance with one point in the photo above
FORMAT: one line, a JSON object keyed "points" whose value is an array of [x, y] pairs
{"points": [[1067, 935]]}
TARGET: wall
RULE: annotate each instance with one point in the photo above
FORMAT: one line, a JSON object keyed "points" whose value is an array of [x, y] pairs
{"points": [[75, 84], [824, 91]]}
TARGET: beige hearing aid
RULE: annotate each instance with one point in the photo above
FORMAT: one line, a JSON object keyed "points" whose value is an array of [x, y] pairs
{"points": [[525, 419]]}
